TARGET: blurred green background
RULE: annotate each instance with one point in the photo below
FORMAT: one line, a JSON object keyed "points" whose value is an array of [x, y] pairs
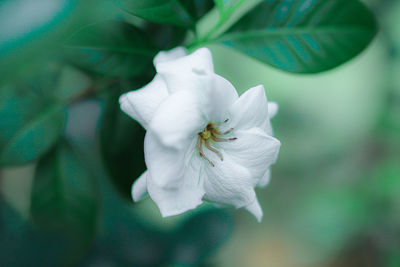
{"points": [[334, 196]]}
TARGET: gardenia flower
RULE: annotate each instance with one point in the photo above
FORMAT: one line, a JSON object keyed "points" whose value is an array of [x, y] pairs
{"points": [[203, 141]]}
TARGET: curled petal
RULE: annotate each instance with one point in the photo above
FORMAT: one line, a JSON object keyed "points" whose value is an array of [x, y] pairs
{"points": [[165, 56], [251, 110], [253, 149], [141, 104], [185, 196], [182, 73], [255, 209], [139, 187]]}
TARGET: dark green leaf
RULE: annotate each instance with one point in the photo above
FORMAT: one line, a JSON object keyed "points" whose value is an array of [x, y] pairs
{"points": [[112, 48], [303, 36], [126, 239], [166, 37], [122, 145], [197, 8], [72, 83], [22, 245], [31, 120], [64, 194], [201, 235], [160, 11]]}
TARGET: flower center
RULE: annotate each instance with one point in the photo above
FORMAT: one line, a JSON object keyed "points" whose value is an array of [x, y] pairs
{"points": [[212, 134]]}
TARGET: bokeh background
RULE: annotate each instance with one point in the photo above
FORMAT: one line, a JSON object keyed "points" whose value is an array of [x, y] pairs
{"points": [[334, 197]]}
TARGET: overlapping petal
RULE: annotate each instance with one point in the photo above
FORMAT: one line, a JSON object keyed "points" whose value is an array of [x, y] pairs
{"points": [[253, 149], [182, 73], [227, 182], [221, 95], [251, 110], [164, 164], [184, 196], [141, 104], [178, 119]]}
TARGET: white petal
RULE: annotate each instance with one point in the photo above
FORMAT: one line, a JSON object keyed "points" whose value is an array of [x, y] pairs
{"points": [[165, 164], [251, 110], [184, 196], [253, 149], [182, 73], [272, 109], [264, 181], [165, 56], [227, 182], [139, 187], [178, 119], [142, 103], [255, 209], [222, 95]]}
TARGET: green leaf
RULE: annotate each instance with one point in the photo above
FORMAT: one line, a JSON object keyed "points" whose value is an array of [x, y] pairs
{"points": [[72, 83], [166, 37], [226, 7], [112, 48], [122, 144], [161, 11], [305, 36], [19, 237], [31, 120], [64, 195], [197, 8]]}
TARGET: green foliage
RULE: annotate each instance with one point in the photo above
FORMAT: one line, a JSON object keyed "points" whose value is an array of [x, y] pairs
{"points": [[303, 36], [71, 84], [64, 195], [161, 11], [76, 217], [226, 7], [197, 8], [64, 200], [31, 118], [165, 37], [111, 48], [122, 144], [21, 244]]}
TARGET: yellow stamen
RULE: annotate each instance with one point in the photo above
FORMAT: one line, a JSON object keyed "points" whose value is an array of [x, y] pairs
{"points": [[216, 151], [212, 132], [200, 148]]}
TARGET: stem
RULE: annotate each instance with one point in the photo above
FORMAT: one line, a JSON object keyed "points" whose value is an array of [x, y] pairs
{"points": [[207, 38]]}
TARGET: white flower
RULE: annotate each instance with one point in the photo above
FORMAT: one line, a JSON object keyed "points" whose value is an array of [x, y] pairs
{"points": [[203, 142]]}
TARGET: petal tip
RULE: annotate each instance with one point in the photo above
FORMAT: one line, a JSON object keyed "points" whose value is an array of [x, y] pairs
{"points": [[139, 188], [273, 109], [255, 209], [123, 98]]}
